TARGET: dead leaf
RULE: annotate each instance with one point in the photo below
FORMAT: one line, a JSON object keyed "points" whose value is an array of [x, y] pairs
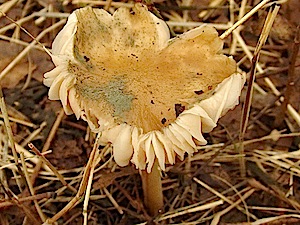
{"points": [[107, 179], [8, 52], [40, 63]]}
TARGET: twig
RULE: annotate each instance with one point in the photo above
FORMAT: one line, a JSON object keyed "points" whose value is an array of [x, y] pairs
{"points": [[74, 216], [244, 19], [33, 134], [53, 169], [277, 220], [10, 136], [4, 7], [293, 113], [218, 215], [247, 105], [196, 24], [88, 188], [113, 201], [107, 5], [221, 196], [19, 22], [82, 187], [191, 210], [242, 199], [87, 196], [25, 199], [270, 137], [206, 13], [114, 4], [28, 48], [19, 42], [276, 188], [47, 144], [15, 200], [37, 206], [292, 78], [25, 123], [134, 202]]}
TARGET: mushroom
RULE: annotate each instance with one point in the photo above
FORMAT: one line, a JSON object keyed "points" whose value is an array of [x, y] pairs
{"points": [[150, 96]]}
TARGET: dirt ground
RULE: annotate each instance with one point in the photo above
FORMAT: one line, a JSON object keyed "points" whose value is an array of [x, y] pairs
{"points": [[268, 192]]}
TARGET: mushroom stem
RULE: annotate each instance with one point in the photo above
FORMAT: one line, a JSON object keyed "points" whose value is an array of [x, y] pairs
{"points": [[152, 188]]}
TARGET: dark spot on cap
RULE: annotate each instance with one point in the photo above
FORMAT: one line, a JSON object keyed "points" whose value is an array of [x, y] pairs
{"points": [[199, 74], [86, 58], [199, 92], [152, 102], [179, 109], [132, 12], [163, 121], [134, 55], [209, 87]]}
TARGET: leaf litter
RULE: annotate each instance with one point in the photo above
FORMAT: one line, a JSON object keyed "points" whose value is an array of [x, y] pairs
{"points": [[206, 188]]}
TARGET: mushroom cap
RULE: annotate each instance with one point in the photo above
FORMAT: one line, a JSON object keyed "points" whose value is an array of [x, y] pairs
{"points": [[124, 75]]}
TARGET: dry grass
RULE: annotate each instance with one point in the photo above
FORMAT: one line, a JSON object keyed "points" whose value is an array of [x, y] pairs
{"points": [[247, 174]]}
